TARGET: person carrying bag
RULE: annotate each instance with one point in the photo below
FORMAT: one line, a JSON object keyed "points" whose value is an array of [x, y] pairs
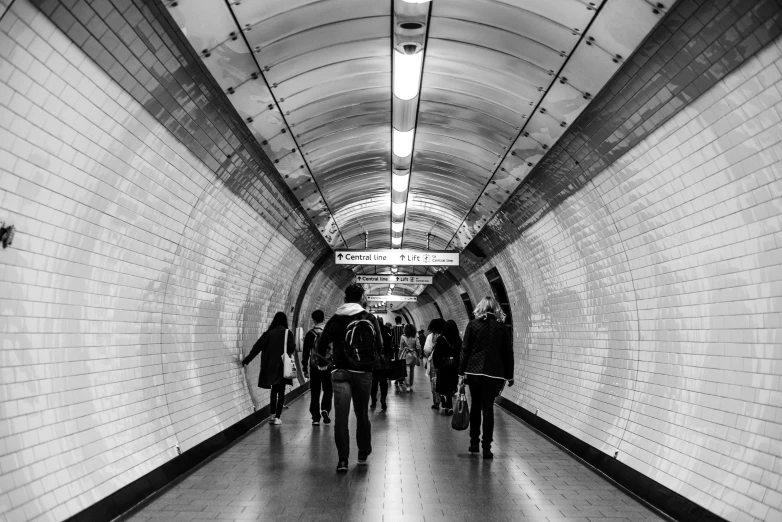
{"points": [[408, 351]]}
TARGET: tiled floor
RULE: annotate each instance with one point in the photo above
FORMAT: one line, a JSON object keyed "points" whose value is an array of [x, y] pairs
{"points": [[419, 470]]}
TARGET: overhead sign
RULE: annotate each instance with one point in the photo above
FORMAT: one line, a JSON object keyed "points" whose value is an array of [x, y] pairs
{"points": [[388, 298], [408, 279], [397, 257]]}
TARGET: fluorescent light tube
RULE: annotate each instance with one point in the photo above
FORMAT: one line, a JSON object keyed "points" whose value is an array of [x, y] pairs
{"points": [[407, 74], [403, 142], [396, 240], [400, 182], [398, 209], [397, 227]]}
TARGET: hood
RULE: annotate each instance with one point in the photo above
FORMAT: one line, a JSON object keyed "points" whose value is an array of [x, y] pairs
{"points": [[349, 309], [319, 327]]}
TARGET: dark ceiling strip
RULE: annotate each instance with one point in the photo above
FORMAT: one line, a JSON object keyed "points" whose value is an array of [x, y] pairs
{"points": [[526, 122], [287, 126]]}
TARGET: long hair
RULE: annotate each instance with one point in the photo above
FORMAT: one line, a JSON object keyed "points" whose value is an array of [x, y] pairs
{"points": [[451, 334], [280, 319], [409, 330], [489, 305]]}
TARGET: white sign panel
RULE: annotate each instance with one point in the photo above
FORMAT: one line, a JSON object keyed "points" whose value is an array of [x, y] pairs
{"points": [[389, 298], [397, 257], [408, 279]]}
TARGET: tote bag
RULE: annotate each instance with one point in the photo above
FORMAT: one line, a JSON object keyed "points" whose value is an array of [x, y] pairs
{"points": [[461, 412], [288, 366]]}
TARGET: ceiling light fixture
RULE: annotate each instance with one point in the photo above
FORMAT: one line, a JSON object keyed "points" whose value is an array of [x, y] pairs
{"points": [[398, 209], [407, 74], [400, 182], [396, 240], [403, 142], [397, 227]]}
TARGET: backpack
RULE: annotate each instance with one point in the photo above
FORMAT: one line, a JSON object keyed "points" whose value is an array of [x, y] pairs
{"points": [[316, 360], [360, 350]]}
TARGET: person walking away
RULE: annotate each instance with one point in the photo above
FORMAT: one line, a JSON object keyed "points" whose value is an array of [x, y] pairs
{"points": [[435, 329], [421, 339], [486, 360], [318, 371], [380, 375], [410, 351], [397, 332], [446, 360], [276, 340], [355, 339]]}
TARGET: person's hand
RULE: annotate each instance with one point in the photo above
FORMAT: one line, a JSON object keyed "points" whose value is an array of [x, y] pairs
{"points": [[510, 383], [462, 380]]}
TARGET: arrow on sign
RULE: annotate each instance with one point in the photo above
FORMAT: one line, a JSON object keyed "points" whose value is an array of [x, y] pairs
{"points": [[339, 256], [402, 257]]}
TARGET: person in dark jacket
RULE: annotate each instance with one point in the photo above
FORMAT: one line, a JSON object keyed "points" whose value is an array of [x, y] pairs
{"points": [[447, 350], [486, 361], [380, 375], [350, 382], [271, 346], [318, 371]]}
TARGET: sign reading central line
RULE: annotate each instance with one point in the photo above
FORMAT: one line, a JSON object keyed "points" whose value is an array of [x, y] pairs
{"points": [[388, 298], [409, 279], [397, 257]]}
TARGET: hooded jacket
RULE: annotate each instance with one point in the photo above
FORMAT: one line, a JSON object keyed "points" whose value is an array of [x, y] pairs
{"points": [[309, 341], [334, 332]]}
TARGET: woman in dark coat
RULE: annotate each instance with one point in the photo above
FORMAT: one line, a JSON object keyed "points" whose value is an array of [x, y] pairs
{"points": [[486, 363], [271, 346], [446, 352]]}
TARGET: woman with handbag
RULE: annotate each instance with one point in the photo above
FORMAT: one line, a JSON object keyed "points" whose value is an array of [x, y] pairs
{"points": [[275, 344], [447, 350], [486, 363], [409, 351]]}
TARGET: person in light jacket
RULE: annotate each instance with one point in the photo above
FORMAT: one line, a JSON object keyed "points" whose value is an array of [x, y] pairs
{"points": [[271, 346], [435, 329], [486, 362]]}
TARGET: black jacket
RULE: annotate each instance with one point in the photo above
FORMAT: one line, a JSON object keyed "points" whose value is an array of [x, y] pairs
{"points": [[270, 346], [334, 332], [486, 349], [309, 341]]}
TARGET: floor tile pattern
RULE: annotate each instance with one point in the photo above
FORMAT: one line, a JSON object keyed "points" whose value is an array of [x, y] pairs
{"points": [[419, 470]]}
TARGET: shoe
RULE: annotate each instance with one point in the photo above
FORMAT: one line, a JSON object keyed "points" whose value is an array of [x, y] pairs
{"points": [[449, 411], [383, 406], [326, 418], [362, 459], [373, 406], [277, 421], [435, 406], [473, 449], [488, 455], [316, 423], [410, 388], [271, 419], [342, 465]]}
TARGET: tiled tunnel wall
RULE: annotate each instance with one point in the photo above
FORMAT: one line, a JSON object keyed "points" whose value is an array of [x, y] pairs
{"points": [[136, 281], [647, 307]]}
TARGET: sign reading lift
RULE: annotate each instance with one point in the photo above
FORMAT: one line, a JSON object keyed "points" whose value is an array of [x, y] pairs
{"points": [[398, 257]]}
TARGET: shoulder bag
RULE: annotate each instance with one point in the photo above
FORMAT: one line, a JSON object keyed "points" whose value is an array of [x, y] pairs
{"points": [[288, 365]]}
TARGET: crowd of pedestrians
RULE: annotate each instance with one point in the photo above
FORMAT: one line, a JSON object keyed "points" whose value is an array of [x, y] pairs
{"points": [[350, 358]]}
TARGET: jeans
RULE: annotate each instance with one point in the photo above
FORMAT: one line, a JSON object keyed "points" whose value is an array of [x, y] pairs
{"points": [[320, 379], [277, 400], [433, 381], [483, 391], [355, 386], [379, 378]]}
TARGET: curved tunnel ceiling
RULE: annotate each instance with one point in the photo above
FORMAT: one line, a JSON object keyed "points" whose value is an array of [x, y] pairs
{"points": [[501, 82]]}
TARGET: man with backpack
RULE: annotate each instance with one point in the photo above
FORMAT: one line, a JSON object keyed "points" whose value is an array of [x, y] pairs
{"points": [[318, 370], [353, 335]]}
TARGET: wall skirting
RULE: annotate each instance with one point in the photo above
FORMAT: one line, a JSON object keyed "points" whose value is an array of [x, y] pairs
{"points": [[142, 491], [660, 497]]}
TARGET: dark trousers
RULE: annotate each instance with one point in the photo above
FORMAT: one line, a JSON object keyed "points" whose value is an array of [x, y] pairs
{"points": [[353, 386], [320, 380], [379, 378], [483, 391], [277, 400]]}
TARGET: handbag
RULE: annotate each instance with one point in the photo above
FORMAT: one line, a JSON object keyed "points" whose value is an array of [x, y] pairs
{"points": [[288, 365], [398, 369], [461, 412]]}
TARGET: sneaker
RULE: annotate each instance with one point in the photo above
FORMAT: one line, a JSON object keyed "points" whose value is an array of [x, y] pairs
{"points": [[277, 421], [435, 406], [473, 449], [342, 465], [362, 458], [383, 405], [326, 418], [271, 419], [316, 423], [488, 455], [409, 388]]}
